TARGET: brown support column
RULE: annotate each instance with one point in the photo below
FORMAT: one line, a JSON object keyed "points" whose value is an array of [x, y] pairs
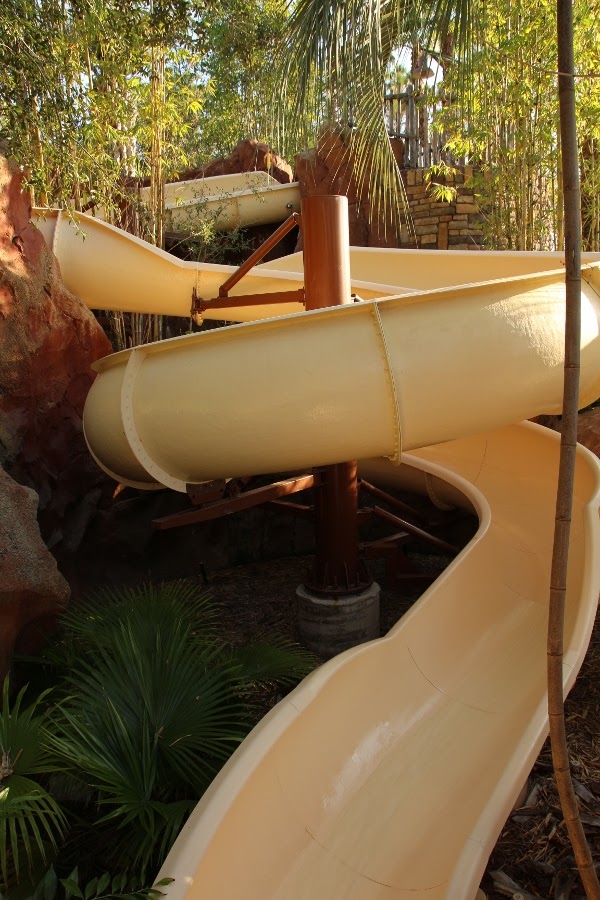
{"points": [[348, 612], [337, 564], [326, 241], [325, 235]]}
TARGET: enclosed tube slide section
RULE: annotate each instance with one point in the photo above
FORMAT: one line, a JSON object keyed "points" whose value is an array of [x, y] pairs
{"points": [[111, 269], [356, 381], [227, 201], [390, 771], [224, 201]]}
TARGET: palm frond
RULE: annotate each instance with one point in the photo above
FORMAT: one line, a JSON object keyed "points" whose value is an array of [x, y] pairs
{"points": [[155, 707], [149, 605], [30, 822], [149, 718], [102, 887], [141, 717], [333, 67], [334, 64], [23, 745], [273, 661]]}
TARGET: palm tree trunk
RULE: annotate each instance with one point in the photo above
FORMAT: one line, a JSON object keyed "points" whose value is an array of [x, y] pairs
{"points": [[572, 220]]}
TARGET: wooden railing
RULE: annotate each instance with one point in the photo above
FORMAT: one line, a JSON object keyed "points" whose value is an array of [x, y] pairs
{"points": [[409, 115]]}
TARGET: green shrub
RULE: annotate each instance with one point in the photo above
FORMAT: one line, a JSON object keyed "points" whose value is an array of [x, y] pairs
{"points": [[32, 824], [149, 704]]}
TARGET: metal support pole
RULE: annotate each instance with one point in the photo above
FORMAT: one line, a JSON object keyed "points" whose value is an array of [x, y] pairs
{"points": [[326, 239], [325, 234], [259, 254], [337, 564]]}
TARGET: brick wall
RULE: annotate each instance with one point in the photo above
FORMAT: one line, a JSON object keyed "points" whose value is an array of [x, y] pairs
{"points": [[442, 225]]}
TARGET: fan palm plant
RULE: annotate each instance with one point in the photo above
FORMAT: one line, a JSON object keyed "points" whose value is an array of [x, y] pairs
{"points": [[155, 704], [31, 822]]}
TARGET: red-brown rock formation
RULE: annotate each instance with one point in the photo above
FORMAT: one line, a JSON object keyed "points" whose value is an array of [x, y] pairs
{"points": [[48, 340], [32, 591], [327, 169], [249, 155]]}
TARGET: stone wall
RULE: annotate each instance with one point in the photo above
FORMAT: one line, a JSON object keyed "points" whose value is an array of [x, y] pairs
{"points": [[453, 224], [447, 224]]}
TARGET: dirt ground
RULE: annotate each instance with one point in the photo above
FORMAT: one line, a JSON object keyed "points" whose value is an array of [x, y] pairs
{"points": [[533, 857], [533, 848]]}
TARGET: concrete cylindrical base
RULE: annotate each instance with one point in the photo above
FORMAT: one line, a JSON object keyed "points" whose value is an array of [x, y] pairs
{"points": [[328, 625]]}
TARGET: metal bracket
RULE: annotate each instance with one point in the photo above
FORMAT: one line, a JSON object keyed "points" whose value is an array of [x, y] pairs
{"points": [[216, 509], [199, 306], [223, 301]]}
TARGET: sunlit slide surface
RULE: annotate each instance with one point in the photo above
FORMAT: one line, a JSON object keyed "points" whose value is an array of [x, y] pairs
{"points": [[223, 202], [389, 772]]}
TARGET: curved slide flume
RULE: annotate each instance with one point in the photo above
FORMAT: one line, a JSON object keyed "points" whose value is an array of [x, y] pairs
{"points": [[224, 202], [390, 771], [227, 201], [354, 381], [111, 269]]}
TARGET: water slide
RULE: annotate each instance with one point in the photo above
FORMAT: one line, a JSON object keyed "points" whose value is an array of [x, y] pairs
{"points": [[143, 278], [389, 772], [111, 269], [224, 202], [227, 202]]}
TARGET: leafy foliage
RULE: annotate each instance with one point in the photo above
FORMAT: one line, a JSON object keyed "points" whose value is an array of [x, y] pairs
{"points": [[438, 190], [149, 704], [272, 661], [103, 887], [509, 129], [31, 821], [242, 78], [335, 61], [97, 93]]}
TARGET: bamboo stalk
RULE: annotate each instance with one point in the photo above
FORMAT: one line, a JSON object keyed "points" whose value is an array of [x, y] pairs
{"points": [[560, 213], [564, 500]]}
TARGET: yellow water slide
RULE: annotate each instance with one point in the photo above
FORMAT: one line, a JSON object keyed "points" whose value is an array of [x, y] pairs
{"points": [[389, 772], [228, 201], [111, 269], [224, 202], [360, 380]]}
